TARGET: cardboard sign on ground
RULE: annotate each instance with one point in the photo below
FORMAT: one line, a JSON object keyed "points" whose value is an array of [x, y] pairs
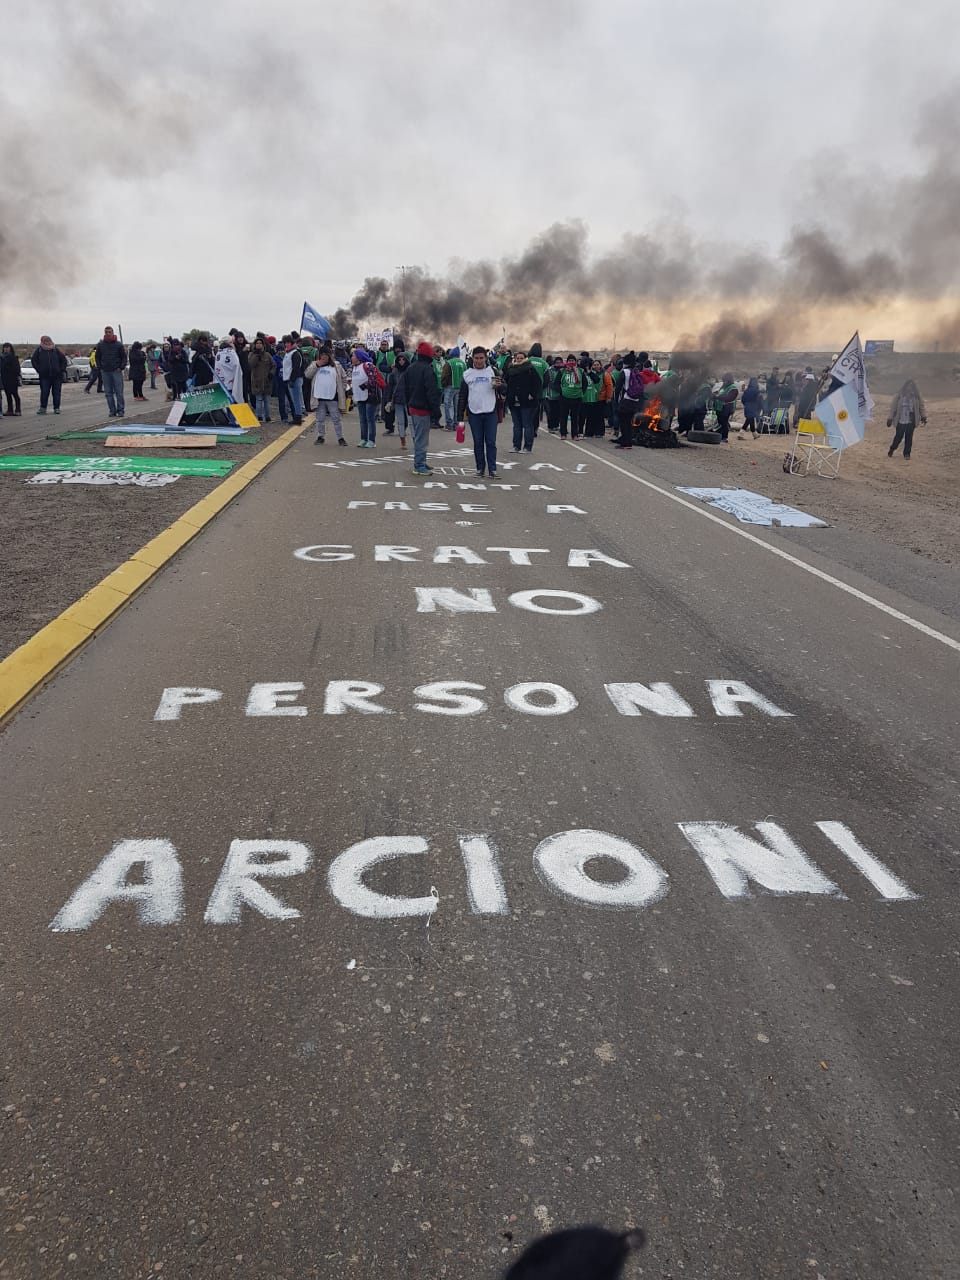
{"points": [[177, 410], [243, 415], [160, 442]]}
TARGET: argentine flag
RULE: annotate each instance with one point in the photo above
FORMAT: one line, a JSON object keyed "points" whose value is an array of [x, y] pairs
{"points": [[840, 414], [314, 322]]}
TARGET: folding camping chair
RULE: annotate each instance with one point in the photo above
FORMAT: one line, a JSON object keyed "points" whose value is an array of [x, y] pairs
{"points": [[813, 450], [775, 423]]}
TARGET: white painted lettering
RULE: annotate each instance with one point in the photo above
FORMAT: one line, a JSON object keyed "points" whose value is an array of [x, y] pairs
{"points": [[368, 484], [158, 898], [470, 506], [521, 555], [274, 698], [485, 887], [544, 466], [342, 696], [475, 600], [244, 868], [328, 552], [347, 870], [883, 880], [584, 559], [734, 859], [172, 699], [396, 506], [406, 555], [561, 861], [581, 604], [434, 506], [352, 506], [520, 698], [462, 485], [727, 695], [452, 702], [555, 511], [542, 488], [662, 699], [447, 555]]}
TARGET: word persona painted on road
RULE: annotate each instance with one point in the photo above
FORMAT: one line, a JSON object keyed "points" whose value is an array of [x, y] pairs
{"points": [[271, 698], [144, 877]]}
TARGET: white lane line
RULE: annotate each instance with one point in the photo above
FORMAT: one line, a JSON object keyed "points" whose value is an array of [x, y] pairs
{"points": [[784, 555]]}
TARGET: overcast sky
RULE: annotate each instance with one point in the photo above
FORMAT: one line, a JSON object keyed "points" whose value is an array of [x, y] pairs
{"points": [[166, 166]]}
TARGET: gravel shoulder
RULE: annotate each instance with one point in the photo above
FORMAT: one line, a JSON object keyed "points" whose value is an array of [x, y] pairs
{"points": [[59, 540]]}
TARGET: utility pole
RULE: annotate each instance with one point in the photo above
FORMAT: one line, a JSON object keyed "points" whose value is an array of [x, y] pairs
{"points": [[403, 300]]}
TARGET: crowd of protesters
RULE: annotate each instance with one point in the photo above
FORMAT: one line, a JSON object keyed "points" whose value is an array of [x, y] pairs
{"points": [[406, 394]]}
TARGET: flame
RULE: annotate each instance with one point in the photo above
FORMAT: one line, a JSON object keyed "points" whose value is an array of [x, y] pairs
{"points": [[653, 415]]}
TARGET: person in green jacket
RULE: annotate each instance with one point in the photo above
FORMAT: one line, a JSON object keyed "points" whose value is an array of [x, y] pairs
{"points": [[572, 384], [451, 376], [552, 394], [535, 356]]}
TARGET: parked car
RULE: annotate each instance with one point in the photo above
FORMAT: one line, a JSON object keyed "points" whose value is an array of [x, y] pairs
{"points": [[75, 371]]}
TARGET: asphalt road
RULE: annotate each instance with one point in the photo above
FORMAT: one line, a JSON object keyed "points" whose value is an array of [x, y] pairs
{"points": [[78, 412], [500, 970]]}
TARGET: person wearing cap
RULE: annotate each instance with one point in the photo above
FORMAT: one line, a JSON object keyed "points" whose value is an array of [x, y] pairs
{"points": [[478, 404]]}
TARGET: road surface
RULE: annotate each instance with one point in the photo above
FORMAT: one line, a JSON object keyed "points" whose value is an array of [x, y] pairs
{"points": [[418, 866], [78, 412]]}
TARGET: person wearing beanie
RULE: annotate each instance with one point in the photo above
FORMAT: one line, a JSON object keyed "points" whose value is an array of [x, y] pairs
{"points": [[451, 378], [423, 404], [478, 403]]}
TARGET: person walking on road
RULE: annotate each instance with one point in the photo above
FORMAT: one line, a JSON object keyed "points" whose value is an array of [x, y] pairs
{"points": [[330, 393], [261, 379], [51, 364], [138, 369], [397, 396], [724, 404], [451, 376], [10, 379], [292, 375], [752, 405], [177, 368], [95, 375], [523, 401], [478, 404], [906, 411], [366, 395], [111, 361], [423, 404]]}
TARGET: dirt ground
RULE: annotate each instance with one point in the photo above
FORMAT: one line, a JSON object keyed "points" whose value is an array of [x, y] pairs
{"points": [[59, 540], [911, 504]]}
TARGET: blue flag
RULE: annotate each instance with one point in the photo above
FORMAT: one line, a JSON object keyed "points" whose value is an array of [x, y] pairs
{"points": [[313, 322]]}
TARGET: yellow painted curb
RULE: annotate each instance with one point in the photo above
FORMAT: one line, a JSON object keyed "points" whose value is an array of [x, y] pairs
{"points": [[28, 668]]}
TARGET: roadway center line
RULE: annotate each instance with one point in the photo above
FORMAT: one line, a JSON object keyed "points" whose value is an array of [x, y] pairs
{"points": [[784, 555]]}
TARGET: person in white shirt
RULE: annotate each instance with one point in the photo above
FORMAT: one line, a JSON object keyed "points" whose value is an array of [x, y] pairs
{"points": [[478, 405], [330, 393]]}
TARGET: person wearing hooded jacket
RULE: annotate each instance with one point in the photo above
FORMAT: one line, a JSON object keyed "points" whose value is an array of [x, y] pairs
{"points": [[229, 370], [906, 411], [397, 395], [523, 400], [423, 404]]}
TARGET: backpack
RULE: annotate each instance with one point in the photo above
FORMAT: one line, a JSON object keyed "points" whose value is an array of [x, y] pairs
{"points": [[375, 380], [635, 385]]}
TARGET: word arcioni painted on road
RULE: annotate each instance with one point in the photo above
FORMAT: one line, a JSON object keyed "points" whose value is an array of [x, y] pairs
{"points": [[460, 698], [738, 862]]}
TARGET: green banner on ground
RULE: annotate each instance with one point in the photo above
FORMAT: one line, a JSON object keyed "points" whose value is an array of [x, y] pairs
{"points": [[205, 399], [140, 466], [99, 435]]}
